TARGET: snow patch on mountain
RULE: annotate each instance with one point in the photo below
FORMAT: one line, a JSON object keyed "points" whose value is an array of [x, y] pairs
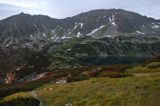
{"points": [[65, 37], [44, 35], [78, 34], [75, 26], [111, 36], [7, 45], [140, 32], [112, 18], [69, 49], [31, 36], [108, 36], [81, 24], [56, 39], [95, 30], [113, 23], [53, 37], [155, 26], [52, 31]]}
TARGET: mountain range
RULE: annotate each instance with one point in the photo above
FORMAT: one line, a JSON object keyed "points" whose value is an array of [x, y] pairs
{"points": [[113, 23], [88, 38]]}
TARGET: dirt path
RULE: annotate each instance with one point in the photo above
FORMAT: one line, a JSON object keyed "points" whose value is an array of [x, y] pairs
{"points": [[34, 94]]}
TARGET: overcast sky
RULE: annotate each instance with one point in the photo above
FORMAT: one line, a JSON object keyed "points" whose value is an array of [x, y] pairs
{"points": [[66, 8]]}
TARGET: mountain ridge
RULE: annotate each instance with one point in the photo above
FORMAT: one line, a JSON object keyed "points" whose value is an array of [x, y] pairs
{"points": [[26, 30]]}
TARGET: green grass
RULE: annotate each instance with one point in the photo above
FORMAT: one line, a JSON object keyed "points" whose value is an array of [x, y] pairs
{"points": [[129, 91], [141, 69]]}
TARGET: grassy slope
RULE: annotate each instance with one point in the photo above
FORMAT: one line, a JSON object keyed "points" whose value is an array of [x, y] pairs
{"points": [[130, 91], [143, 90]]}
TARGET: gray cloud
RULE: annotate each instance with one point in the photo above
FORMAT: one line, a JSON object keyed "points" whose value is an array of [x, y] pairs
{"points": [[8, 10]]}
